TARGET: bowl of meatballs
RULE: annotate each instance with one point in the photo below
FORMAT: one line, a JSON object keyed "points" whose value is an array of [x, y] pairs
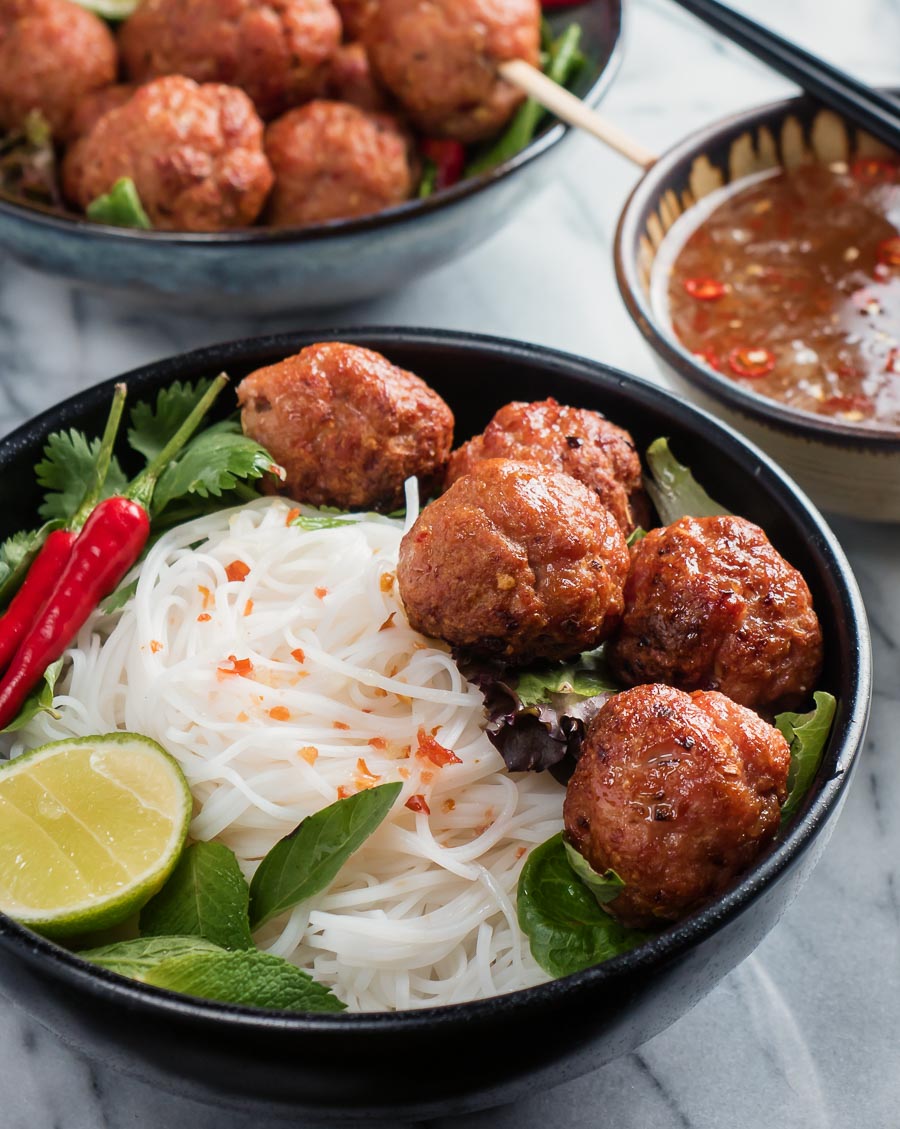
{"points": [[655, 659], [304, 153]]}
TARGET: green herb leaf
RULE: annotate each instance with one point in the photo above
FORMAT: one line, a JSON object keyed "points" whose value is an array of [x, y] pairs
{"points": [[110, 9], [566, 928], [308, 860], [251, 979], [585, 678], [326, 518], [152, 426], [206, 896], [28, 169], [605, 887], [429, 179], [674, 490], [40, 700], [807, 735], [118, 599], [135, 958], [120, 207], [67, 466], [211, 464], [636, 535]]}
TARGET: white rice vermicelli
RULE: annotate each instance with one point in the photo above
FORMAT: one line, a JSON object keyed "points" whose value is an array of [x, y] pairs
{"points": [[331, 691]]}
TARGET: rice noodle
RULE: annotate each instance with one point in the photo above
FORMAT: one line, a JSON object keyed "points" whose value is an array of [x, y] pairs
{"points": [[340, 686]]}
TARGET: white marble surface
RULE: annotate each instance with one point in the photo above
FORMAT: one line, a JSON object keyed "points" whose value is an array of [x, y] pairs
{"points": [[805, 1033]]}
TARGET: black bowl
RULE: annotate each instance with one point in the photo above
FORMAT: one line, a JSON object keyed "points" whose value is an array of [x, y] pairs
{"points": [[269, 269], [451, 1059], [852, 470]]}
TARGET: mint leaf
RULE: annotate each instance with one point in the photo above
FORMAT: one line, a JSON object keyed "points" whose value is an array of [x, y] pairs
{"points": [[605, 887], [120, 207], [67, 466], [308, 860], [566, 928], [152, 426], [673, 489], [136, 958], [807, 735], [40, 700], [205, 896], [212, 463], [251, 979]]}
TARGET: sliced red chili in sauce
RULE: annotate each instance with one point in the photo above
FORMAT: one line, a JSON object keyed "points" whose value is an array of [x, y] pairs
{"points": [[709, 357], [751, 362], [888, 252], [873, 170], [705, 289]]}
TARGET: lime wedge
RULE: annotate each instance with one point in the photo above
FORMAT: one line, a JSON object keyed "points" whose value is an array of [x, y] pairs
{"points": [[90, 829]]}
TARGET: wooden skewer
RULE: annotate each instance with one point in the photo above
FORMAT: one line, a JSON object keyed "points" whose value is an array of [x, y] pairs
{"points": [[572, 110]]}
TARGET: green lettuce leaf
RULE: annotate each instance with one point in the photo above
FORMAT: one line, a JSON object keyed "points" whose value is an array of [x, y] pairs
{"points": [[807, 735], [205, 896], [605, 887], [673, 489], [308, 860]]}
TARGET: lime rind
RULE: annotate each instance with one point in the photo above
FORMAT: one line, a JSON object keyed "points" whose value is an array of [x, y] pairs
{"points": [[106, 910]]}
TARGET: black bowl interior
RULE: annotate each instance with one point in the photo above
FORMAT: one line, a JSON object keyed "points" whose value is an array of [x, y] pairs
{"points": [[601, 24], [782, 134], [476, 375]]}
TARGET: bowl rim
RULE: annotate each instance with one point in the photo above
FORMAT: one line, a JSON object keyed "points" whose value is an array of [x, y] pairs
{"points": [[334, 229], [761, 409], [847, 737]]}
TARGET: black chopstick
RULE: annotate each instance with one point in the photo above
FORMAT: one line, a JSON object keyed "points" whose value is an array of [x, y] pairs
{"points": [[868, 109]]}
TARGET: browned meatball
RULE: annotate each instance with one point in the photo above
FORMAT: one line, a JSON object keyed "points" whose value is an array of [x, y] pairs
{"points": [[275, 50], [91, 108], [51, 53], [440, 59], [333, 161], [516, 562], [194, 153], [350, 80], [578, 442], [348, 426], [354, 14], [711, 604], [678, 794]]}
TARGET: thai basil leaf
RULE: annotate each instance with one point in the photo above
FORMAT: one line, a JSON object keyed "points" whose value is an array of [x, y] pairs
{"points": [[807, 735], [308, 860], [674, 490], [605, 887], [135, 958], [565, 926], [205, 896], [249, 978]]}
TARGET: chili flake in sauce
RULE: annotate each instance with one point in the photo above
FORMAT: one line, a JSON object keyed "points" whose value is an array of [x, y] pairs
{"points": [[790, 286]]}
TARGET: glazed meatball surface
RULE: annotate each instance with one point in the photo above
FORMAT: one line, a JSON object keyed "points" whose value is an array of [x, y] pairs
{"points": [[350, 80], [678, 794], [440, 58], [52, 52], [348, 426], [91, 108], [275, 50], [514, 562], [710, 604], [572, 440], [194, 153], [354, 14], [333, 161]]}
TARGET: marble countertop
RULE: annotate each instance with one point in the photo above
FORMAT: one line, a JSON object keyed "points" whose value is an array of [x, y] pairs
{"points": [[804, 1033]]}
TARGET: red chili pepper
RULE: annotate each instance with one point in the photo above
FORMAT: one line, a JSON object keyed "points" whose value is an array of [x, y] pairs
{"points": [[751, 363], [449, 158], [873, 170], [708, 356], [859, 403], [705, 289], [419, 804], [111, 541], [888, 251]]}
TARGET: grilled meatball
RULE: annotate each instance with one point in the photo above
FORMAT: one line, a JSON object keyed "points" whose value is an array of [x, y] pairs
{"points": [[51, 53], [333, 161], [354, 14], [516, 562], [91, 108], [350, 80], [710, 604], [276, 50], [578, 442], [440, 60], [348, 426], [678, 794], [194, 153]]}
